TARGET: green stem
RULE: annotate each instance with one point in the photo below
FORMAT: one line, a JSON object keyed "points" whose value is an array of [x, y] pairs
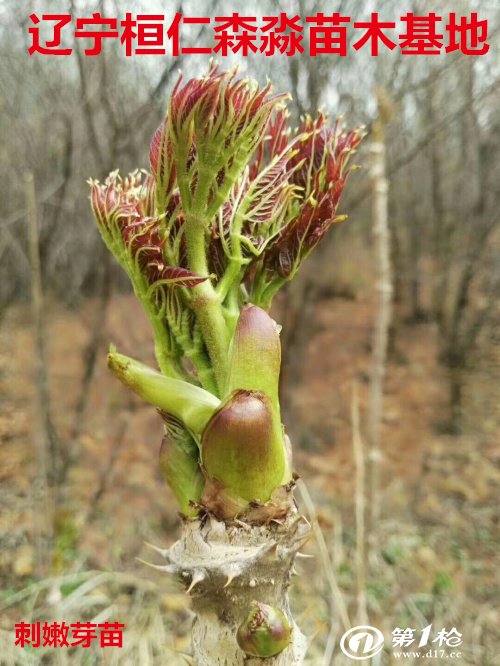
{"points": [[232, 309], [230, 277], [196, 353], [205, 302], [267, 295], [207, 308], [163, 343]]}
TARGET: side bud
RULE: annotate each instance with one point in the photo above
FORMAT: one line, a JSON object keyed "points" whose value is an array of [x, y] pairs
{"points": [[241, 449], [192, 405], [180, 469], [265, 632]]}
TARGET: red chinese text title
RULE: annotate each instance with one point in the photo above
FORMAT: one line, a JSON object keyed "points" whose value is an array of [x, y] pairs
{"points": [[60, 634], [333, 34]]}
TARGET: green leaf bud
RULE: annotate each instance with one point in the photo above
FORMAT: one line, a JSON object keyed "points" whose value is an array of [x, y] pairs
{"points": [[190, 404], [265, 632]]}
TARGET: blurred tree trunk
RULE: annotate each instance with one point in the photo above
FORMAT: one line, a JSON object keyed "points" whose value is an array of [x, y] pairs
{"points": [[47, 450], [460, 247], [417, 312], [440, 239], [456, 350], [396, 262], [380, 214]]}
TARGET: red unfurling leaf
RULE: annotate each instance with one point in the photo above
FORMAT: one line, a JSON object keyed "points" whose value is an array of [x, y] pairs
{"points": [[161, 158], [203, 91], [181, 277], [274, 142], [300, 236], [145, 244], [154, 151], [220, 96], [325, 154], [310, 150]]}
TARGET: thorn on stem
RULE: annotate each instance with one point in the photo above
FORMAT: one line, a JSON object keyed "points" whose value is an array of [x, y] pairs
{"points": [[164, 552], [168, 568], [198, 576]]}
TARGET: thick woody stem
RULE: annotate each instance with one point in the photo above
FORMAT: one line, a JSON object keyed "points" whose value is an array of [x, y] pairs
{"points": [[225, 569]]}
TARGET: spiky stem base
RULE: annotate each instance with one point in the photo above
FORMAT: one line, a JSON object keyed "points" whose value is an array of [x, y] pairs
{"points": [[226, 568]]}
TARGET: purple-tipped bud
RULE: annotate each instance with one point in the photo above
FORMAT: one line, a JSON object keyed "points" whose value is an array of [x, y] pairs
{"points": [[256, 354], [265, 632], [241, 449]]}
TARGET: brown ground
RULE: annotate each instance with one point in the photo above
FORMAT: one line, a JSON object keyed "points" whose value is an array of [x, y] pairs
{"points": [[437, 535]]}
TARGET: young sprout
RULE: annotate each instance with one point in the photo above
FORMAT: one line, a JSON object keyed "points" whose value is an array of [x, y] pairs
{"points": [[232, 206]]}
